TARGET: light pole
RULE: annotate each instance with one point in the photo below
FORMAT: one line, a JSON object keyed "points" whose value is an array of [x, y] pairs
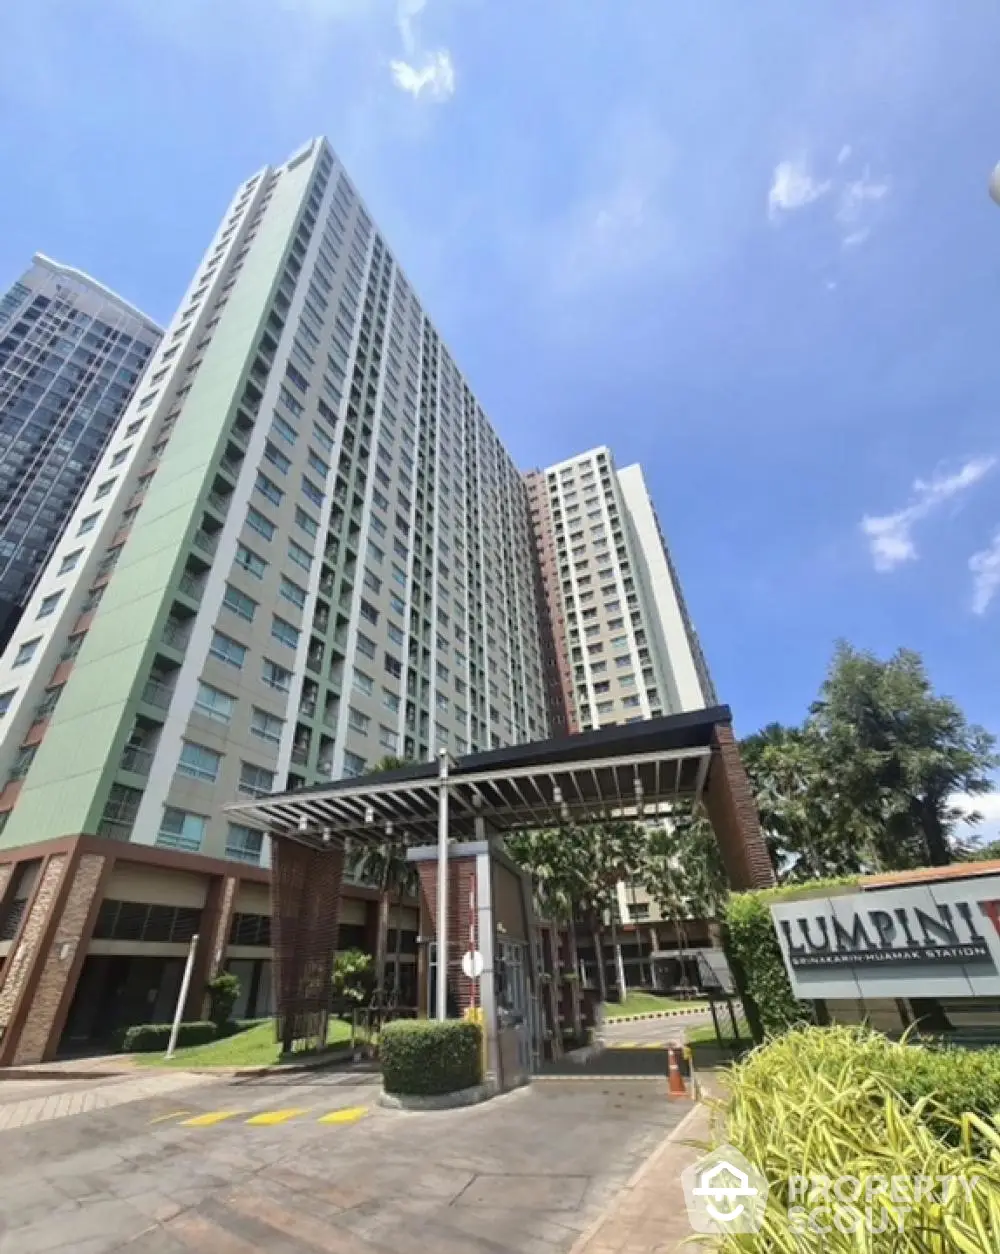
{"points": [[995, 183]]}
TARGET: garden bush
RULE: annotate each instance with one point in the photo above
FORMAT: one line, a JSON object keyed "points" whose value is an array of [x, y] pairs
{"points": [[223, 994], [826, 1103], [423, 1057], [755, 956], [153, 1038]]}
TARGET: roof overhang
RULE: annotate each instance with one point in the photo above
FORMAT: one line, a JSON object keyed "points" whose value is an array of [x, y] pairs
{"points": [[632, 772]]}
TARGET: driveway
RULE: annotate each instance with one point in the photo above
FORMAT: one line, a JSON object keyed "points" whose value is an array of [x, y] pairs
{"points": [[167, 1163]]}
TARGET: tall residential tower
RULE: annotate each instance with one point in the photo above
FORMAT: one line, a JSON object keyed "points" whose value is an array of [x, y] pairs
{"points": [[71, 356], [301, 551]]}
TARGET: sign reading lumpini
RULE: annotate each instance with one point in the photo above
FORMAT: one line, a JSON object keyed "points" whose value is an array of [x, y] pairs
{"points": [[934, 939]]}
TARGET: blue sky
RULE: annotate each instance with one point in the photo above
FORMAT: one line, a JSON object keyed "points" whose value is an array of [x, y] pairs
{"points": [[747, 244]]}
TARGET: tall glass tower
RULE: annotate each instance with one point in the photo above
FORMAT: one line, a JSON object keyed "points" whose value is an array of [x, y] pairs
{"points": [[71, 355]]}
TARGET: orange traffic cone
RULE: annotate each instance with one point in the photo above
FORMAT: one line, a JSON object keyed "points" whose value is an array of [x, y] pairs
{"points": [[675, 1080]]}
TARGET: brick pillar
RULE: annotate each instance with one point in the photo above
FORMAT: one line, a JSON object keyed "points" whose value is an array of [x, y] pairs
{"points": [[733, 813], [213, 938], [461, 873], [306, 886], [48, 954]]}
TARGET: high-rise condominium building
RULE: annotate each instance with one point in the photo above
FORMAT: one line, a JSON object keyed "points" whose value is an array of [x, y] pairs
{"points": [[622, 647], [71, 356], [302, 550]]}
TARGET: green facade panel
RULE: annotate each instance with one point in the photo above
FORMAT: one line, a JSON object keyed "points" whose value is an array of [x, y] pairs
{"points": [[66, 789]]}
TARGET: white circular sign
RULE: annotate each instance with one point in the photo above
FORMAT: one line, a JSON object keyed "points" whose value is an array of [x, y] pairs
{"points": [[472, 964]]}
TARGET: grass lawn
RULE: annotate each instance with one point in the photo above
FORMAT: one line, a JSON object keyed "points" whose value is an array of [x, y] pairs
{"points": [[254, 1048], [646, 1003]]}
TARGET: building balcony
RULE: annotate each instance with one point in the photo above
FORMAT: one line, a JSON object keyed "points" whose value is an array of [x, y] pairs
{"points": [[156, 693], [136, 760], [191, 586], [116, 828], [300, 753], [207, 543], [219, 503], [176, 635]]}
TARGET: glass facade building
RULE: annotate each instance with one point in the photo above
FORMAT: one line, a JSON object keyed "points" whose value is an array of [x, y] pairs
{"points": [[71, 356]]}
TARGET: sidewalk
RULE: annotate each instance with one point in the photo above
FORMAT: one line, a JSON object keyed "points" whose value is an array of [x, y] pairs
{"points": [[649, 1215]]}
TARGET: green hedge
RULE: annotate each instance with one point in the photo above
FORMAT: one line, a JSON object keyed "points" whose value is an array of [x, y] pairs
{"points": [[423, 1057], [153, 1038], [754, 953], [957, 1080]]}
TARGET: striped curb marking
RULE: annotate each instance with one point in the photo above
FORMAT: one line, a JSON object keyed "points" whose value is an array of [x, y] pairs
{"points": [[262, 1119]]}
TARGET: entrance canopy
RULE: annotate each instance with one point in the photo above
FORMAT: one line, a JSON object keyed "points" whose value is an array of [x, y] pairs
{"points": [[632, 772]]}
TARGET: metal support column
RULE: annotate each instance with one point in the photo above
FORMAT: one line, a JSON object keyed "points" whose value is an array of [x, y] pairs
{"points": [[442, 887]]}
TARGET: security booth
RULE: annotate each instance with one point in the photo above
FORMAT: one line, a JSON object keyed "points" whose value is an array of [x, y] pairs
{"points": [[476, 904]]}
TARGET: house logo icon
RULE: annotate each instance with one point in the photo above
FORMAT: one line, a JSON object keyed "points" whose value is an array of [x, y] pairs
{"points": [[724, 1193]]}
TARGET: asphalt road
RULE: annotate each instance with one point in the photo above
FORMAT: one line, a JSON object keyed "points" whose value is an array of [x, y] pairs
{"points": [[164, 1163]]}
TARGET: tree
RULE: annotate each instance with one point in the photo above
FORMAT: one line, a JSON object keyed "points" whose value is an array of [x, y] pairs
{"points": [[223, 994], [352, 979], [384, 865], [898, 753]]}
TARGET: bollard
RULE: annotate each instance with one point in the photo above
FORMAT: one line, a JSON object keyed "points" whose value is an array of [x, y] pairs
{"points": [[675, 1080]]}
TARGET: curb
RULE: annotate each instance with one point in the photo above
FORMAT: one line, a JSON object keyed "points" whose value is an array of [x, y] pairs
{"points": [[31, 1073], [676, 1134], [439, 1101], [653, 1014]]}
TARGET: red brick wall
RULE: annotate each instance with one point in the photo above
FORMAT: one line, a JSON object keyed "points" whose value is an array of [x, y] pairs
{"points": [[733, 812], [461, 874]]}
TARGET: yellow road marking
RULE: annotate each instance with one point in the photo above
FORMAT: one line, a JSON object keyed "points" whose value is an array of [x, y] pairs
{"points": [[270, 1117], [174, 1114], [351, 1114], [208, 1119]]}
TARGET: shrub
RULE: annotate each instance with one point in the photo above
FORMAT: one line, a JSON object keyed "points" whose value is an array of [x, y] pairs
{"points": [[423, 1057], [153, 1038], [223, 994], [754, 953], [825, 1103]]}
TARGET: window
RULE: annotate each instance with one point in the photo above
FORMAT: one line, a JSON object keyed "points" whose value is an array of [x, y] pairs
{"points": [[226, 649], [266, 726], [393, 666], [284, 429], [372, 581], [318, 464], [275, 676], [69, 562], [622, 662], [364, 683], [358, 721], [292, 592], [260, 523], [198, 762], [104, 490], [48, 605], [605, 707], [239, 603], [306, 521], [311, 491], [399, 575], [267, 487], [354, 765], [120, 456], [284, 631], [631, 701], [277, 458], [250, 561], [88, 524], [389, 699], [243, 844], [366, 645], [619, 642], [181, 830], [369, 612], [214, 703], [375, 553], [396, 634], [255, 781], [300, 556], [26, 652], [387, 738]]}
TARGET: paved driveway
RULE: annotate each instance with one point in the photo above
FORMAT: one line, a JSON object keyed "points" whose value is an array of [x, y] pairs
{"points": [[233, 1167]]}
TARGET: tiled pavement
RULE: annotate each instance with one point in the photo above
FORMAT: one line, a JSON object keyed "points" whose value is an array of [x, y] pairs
{"points": [[524, 1174], [23, 1106]]}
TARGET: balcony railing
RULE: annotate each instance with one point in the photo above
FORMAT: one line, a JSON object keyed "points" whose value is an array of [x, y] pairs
{"points": [[207, 543], [300, 753], [218, 502], [191, 586], [116, 828], [176, 635], [136, 760], [157, 693]]}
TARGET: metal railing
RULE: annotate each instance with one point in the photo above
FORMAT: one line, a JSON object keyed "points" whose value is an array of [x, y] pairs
{"points": [[207, 543], [157, 693], [136, 760]]}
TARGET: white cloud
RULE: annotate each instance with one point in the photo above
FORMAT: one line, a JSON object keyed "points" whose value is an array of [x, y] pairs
{"points": [[436, 76], [855, 203], [844, 154], [985, 568], [420, 72], [890, 536], [793, 187]]}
